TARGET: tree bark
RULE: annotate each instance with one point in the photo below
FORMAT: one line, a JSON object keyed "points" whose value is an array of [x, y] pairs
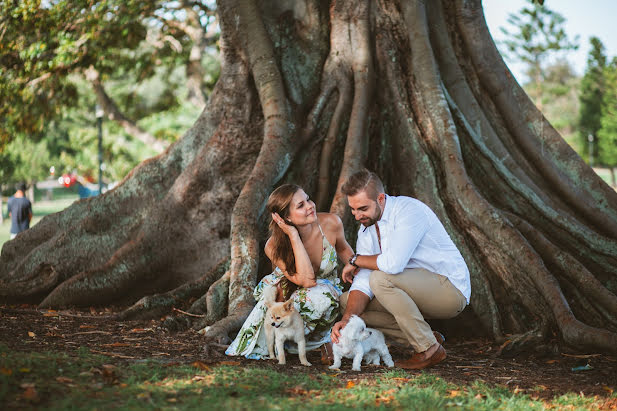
{"points": [[310, 92]]}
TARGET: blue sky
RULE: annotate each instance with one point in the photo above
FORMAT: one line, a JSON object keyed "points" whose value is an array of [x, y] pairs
{"points": [[583, 18]]}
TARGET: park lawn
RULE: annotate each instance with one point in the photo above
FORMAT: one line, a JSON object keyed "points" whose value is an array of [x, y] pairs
{"points": [[39, 210], [87, 381]]}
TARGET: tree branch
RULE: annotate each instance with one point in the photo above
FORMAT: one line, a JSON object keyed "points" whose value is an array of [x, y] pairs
{"points": [[114, 113]]}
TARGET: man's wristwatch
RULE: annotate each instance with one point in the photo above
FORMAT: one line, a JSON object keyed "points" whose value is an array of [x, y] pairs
{"points": [[352, 260]]}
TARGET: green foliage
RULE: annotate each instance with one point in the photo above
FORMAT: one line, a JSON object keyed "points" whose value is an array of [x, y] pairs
{"points": [[607, 135], [45, 101], [44, 41], [537, 33], [592, 89], [559, 98], [24, 160]]}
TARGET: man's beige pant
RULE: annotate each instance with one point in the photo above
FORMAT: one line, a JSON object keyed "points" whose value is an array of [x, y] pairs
{"points": [[402, 302]]}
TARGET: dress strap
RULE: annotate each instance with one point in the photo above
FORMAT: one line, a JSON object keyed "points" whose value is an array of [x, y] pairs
{"points": [[322, 234]]}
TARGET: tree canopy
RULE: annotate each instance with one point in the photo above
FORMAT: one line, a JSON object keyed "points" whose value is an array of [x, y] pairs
{"points": [[133, 58], [536, 34]]}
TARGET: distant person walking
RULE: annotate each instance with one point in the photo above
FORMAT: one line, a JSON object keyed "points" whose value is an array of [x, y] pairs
{"points": [[20, 211]]}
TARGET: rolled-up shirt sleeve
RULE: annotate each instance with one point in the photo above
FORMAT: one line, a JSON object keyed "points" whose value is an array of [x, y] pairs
{"points": [[361, 282], [411, 225]]}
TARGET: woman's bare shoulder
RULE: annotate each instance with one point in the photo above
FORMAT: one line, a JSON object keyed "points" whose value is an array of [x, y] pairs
{"points": [[329, 221], [268, 247]]}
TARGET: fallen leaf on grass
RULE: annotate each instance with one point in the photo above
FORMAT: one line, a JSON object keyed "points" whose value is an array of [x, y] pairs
{"points": [[24, 370], [201, 365], [296, 391], [30, 393], [350, 384], [64, 380], [31, 334], [607, 389], [551, 361], [454, 393], [6, 371], [383, 400]]}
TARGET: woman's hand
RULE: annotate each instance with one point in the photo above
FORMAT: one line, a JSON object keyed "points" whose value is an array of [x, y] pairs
{"points": [[288, 229]]}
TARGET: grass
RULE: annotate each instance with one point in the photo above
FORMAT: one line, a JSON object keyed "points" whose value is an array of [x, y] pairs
{"points": [[85, 381]]}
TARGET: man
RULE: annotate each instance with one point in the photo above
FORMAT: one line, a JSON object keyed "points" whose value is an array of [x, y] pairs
{"points": [[20, 211], [407, 261]]}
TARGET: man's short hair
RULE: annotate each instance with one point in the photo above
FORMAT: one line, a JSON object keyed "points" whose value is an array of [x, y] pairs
{"points": [[363, 180], [20, 187]]}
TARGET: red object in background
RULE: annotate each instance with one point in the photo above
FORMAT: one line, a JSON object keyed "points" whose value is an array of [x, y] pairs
{"points": [[69, 179]]}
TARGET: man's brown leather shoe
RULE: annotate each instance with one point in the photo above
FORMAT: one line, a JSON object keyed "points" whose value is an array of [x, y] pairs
{"points": [[327, 355], [439, 337], [418, 362]]}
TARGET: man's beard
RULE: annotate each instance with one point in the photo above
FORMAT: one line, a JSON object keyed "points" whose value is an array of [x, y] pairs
{"points": [[369, 221]]}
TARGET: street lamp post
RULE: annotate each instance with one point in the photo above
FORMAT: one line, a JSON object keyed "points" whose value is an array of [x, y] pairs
{"points": [[99, 120], [590, 139]]}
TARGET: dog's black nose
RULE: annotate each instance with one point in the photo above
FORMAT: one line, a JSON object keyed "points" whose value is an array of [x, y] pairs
{"points": [[273, 324]]}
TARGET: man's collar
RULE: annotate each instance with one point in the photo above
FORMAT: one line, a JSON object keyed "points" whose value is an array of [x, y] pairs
{"points": [[387, 210]]}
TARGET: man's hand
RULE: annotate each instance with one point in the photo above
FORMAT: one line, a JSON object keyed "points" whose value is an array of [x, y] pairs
{"points": [[349, 272], [336, 330]]}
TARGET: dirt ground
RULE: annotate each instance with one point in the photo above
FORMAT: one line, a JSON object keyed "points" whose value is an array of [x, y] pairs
{"points": [[25, 328]]}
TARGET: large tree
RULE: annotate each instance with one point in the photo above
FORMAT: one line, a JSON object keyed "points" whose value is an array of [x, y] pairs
{"points": [[310, 92]]}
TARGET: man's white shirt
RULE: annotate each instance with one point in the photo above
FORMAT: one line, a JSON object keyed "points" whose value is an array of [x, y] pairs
{"points": [[411, 237]]}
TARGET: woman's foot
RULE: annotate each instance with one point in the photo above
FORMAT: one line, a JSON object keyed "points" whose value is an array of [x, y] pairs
{"points": [[327, 355]]}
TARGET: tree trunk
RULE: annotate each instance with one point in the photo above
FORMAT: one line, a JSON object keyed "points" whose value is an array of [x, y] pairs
{"points": [[310, 92]]}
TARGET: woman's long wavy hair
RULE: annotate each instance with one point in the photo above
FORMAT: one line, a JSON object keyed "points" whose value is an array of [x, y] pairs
{"points": [[279, 202]]}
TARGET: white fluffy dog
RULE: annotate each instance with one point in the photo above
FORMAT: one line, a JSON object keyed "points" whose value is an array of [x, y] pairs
{"points": [[357, 342]]}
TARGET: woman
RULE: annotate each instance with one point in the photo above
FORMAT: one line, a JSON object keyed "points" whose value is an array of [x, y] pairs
{"points": [[303, 245]]}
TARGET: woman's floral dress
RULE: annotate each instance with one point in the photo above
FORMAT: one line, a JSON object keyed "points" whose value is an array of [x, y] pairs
{"points": [[318, 306]]}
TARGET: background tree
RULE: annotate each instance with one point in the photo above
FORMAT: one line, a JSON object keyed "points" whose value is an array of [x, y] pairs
{"points": [[607, 135], [592, 89], [537, 34], [44, 44], [309, 92], [559, 98]]}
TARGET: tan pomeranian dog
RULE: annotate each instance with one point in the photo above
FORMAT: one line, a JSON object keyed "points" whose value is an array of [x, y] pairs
{"points": [[282, 323]]}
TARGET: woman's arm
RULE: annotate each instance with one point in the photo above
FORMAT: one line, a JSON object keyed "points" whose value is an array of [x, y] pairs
{"points": [[304, 275]]}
